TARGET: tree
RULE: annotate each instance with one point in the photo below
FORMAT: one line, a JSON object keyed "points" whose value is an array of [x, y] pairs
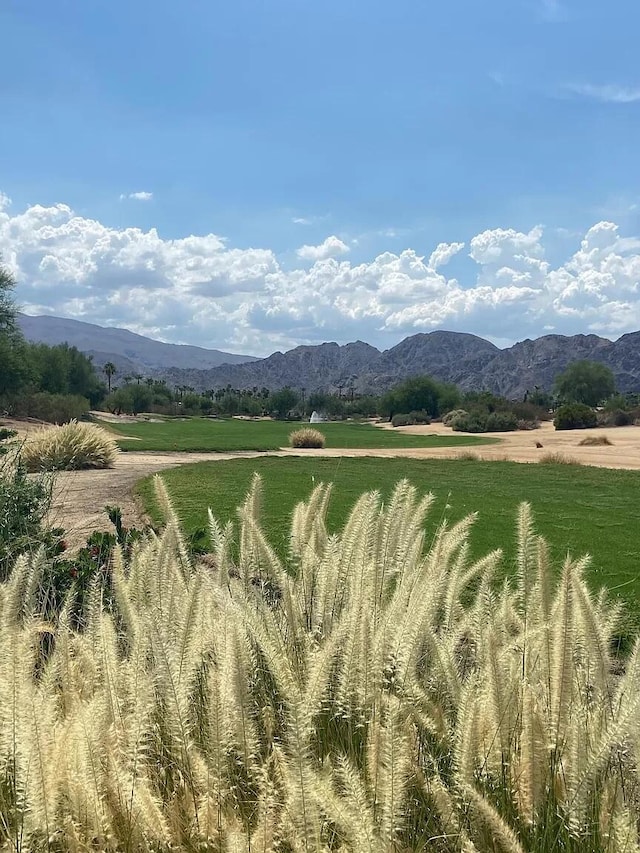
{"points": [[587, 382], [13, 357], [420, 394], [109, 370], [281, 402]]}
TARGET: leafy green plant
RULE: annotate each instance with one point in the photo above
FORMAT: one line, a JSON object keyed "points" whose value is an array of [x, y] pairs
{"points": [[501, 422], [24, 504], [415, 417], [575, 416], [70, 578]]}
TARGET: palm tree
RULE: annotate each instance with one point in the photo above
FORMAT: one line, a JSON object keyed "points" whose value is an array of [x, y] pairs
{"points": [[109, 370]]}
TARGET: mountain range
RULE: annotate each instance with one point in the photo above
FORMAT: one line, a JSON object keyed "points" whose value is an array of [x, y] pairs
{"points": [[131, 353], [469, 361]]}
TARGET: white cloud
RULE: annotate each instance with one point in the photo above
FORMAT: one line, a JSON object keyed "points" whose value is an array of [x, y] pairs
{"points": [[139, 196], [5, 201], [443, 253], [200, 290], [609, 94], [332, 247], [302, 220]]}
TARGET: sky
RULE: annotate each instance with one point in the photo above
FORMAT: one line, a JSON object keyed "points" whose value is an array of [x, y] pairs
{"points": [[251, 175]]}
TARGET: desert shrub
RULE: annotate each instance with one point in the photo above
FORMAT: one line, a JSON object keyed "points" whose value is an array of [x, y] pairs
{"points": [[400, 420], [376, 691], [575, 416], [621, 418], [24, 504], [53, 408], [306, 437], [468, 456], [70, 447], [469, 422], [452, 415], [595, 441], [528, 425], [529, 412], [557, 458], [411, 419], [501, 422]]}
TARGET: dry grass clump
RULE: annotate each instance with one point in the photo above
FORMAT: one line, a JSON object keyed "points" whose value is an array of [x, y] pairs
{"points": [[468, 456], [306, 437], [69, 447], [556, 458], [377, 692], [596, 441]]}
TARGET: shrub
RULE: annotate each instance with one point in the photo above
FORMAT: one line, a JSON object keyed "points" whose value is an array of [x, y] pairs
{"points": [[24, 504], [501, 422], [53, 408], [451, 416], [468, 456], [306, 437], [621, 418], [595, 441], [528, 425], [470, 422], [411, 419], [376, 691], [69, 448], [575, 416], [400, 420], [557, 458]]}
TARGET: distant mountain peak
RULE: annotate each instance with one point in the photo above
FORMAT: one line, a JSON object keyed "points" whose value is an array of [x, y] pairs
{"points": [[129, 351], [467, 360]]}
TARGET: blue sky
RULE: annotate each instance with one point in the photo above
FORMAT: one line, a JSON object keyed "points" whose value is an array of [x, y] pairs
{"points": [[385, 128]]}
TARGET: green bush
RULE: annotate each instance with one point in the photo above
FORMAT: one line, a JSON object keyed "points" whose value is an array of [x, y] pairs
{"points": [[24, 504], [451, 416], [470, 422], [575, 416], [400, 420], [501, 422], [413, 418], [52, 408]]}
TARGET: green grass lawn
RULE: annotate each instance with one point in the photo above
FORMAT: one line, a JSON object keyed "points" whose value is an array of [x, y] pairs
{"points": [[578, 508], [203, 434]]}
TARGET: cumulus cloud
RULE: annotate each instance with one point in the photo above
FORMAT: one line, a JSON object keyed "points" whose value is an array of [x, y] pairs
{"points": [[200, 290], [141, 195], [332, 247], [443, 253], [5, 201], [609, 94]]}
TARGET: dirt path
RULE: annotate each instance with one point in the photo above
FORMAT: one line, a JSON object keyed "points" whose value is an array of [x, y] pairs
{"points": [[80, 496]]}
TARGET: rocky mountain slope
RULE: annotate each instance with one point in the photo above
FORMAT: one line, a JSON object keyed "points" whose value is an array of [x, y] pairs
{"points": [[466, 360], [129, 352], [470, 362]]}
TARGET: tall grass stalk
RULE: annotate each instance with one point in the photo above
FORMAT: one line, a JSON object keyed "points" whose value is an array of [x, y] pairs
{"points": [[373, 691]]}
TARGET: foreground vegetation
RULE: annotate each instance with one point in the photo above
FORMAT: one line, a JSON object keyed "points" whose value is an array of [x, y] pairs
{"points": [[578, 508], [373, 692], [204, 434]]}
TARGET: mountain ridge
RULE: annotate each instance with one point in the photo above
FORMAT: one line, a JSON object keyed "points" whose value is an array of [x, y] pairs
{"points": [[467, 360], [130, 352]]}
